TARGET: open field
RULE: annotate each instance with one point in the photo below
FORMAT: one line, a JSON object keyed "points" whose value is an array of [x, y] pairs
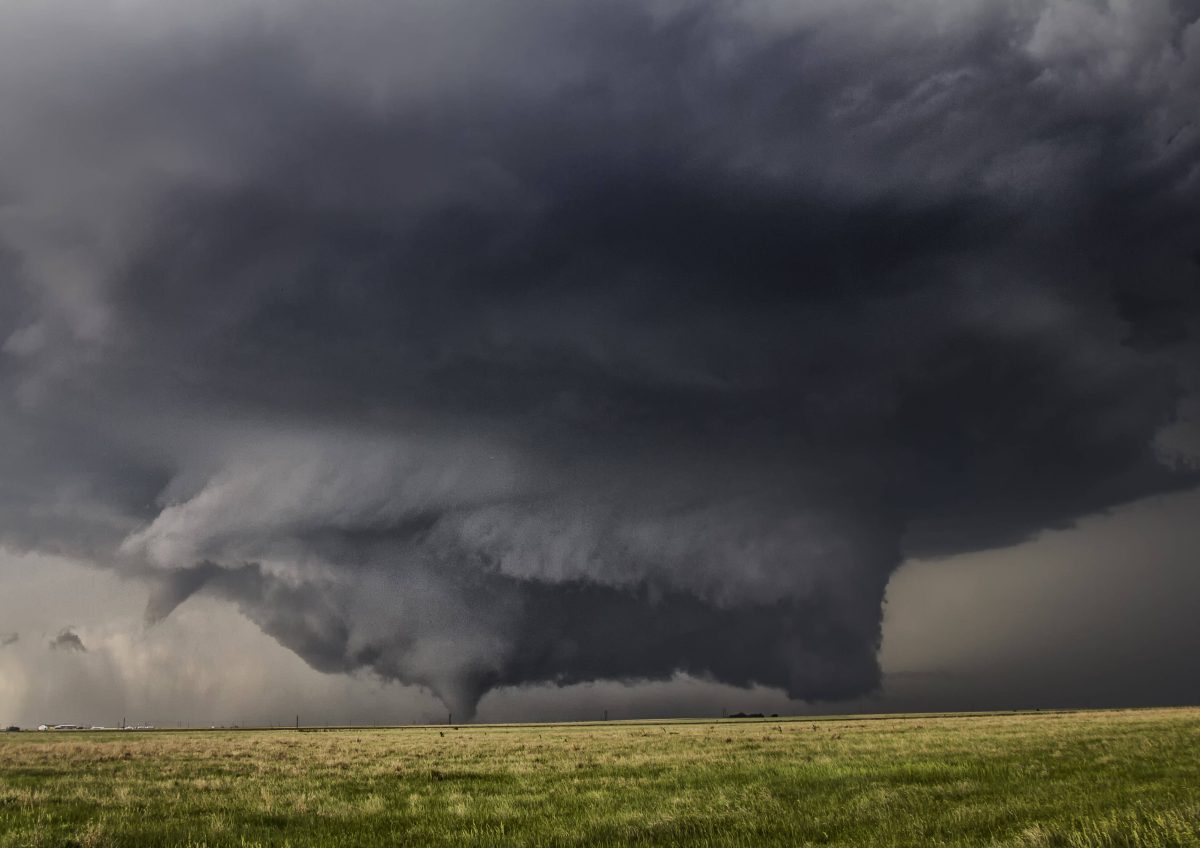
{"points": [[1129, 778]]}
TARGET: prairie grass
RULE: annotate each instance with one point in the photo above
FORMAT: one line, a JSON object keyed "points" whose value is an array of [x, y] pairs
{"points": [[1121, 779]]}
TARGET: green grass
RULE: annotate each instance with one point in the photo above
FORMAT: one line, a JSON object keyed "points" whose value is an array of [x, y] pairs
{"points": [[1083, 780]]}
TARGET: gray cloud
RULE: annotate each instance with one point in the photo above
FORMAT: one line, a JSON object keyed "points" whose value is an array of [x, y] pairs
{"points": [[604, 342], [67, 640], [7, 639]]}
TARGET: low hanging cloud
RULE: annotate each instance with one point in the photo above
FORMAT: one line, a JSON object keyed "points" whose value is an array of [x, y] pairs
{"points": [[7, 639], [67, 640], [525, 345]]}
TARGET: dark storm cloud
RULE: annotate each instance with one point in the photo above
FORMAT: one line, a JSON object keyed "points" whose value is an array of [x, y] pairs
{"points": [[7, 639], [598, 342], [67, 640]]}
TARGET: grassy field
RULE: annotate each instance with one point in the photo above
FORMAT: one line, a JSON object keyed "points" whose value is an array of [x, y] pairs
{"points": [[1043, 779]]}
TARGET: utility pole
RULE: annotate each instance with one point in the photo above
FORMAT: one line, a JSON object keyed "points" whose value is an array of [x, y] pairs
{"points": [[297, 721]]}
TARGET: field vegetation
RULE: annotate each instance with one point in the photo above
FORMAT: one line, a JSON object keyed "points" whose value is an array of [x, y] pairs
{"points": [[1080, 780]]}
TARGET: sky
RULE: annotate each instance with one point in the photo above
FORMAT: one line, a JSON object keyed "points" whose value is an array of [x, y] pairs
{"points": [[387, 360]]}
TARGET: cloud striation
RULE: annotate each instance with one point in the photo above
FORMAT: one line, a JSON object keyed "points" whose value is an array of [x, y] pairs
{"points": [[599, 340]]}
